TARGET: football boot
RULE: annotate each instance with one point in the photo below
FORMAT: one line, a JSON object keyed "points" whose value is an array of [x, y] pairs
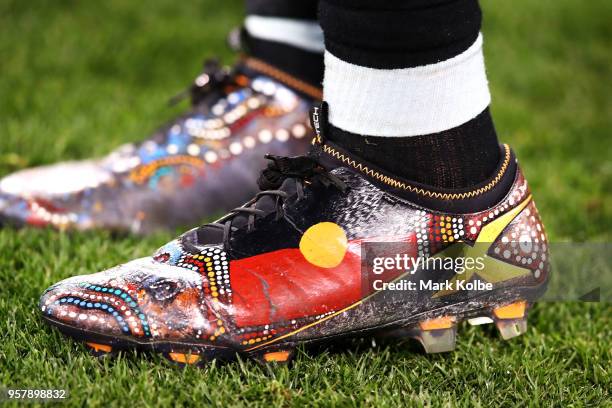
{"points": [[300, 264], [181, 173]]}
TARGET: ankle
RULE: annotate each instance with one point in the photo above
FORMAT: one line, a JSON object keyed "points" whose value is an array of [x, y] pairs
{"points": [[457, 158]]}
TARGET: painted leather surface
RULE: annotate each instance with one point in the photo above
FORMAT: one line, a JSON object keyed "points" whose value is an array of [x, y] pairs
{"points": [[204, 163], [303, 281]]}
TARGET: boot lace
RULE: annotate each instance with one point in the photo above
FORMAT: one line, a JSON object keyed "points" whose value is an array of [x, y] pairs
{"points": [[301, 169], [213, 77]]}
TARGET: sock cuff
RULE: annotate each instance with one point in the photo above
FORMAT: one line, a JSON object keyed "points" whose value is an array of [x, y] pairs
{"points": [[408, 101], [304, 34]]}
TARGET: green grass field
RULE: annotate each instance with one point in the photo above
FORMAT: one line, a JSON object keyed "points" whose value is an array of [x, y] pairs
{"points": [[79, 78]]}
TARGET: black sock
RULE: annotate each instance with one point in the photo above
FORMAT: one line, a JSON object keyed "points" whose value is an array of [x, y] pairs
{"points": [[456, 158], [398, 34], [303, 64]]}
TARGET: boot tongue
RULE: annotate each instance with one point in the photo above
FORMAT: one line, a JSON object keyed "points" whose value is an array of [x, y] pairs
{"points": [[319, 114], [208, 235], [319, 121], [281, 170]]}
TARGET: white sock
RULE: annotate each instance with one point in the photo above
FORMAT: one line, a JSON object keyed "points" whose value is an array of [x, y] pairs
{"points": [[303, 34], [408, 101]]}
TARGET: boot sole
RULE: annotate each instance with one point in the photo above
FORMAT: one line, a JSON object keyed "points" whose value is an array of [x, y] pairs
{"points": [[436, 335]]}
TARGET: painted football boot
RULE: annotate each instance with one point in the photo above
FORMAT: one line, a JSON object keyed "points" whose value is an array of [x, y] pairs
{"points": [[181, 173], [297, 265]]}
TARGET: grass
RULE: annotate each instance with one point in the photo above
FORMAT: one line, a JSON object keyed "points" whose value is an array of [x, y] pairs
{"points": [[79, 78]]}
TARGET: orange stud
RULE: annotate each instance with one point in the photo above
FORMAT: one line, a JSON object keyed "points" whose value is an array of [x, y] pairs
{"points": [[185, 358], [445, 322], [514, 310], [279, 356], [100, 347]]}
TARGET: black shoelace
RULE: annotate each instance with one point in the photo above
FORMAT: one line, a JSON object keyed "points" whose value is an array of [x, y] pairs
{"points": [[213, 77], [301, 169]]}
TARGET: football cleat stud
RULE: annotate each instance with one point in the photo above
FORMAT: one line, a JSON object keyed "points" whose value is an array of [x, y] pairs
{"points": [[99, 350], [275, 357], [510, 328], [182, 358], [511, 319]]}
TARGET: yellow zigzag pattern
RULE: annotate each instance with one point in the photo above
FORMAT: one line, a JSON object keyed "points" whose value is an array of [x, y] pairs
{"points": [[403, 186]]}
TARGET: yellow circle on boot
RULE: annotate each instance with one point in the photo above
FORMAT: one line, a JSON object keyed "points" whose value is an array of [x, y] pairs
{"points": [[324, 244]]}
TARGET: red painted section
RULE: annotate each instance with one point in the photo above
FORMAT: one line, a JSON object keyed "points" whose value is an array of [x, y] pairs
{"points": [[34, 220], [295, 287], [282, 285], [245, 120], [187, 180], [48, 205]]}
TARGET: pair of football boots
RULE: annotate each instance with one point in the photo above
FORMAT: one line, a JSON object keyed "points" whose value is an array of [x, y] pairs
{"points": [[295, 265]]}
